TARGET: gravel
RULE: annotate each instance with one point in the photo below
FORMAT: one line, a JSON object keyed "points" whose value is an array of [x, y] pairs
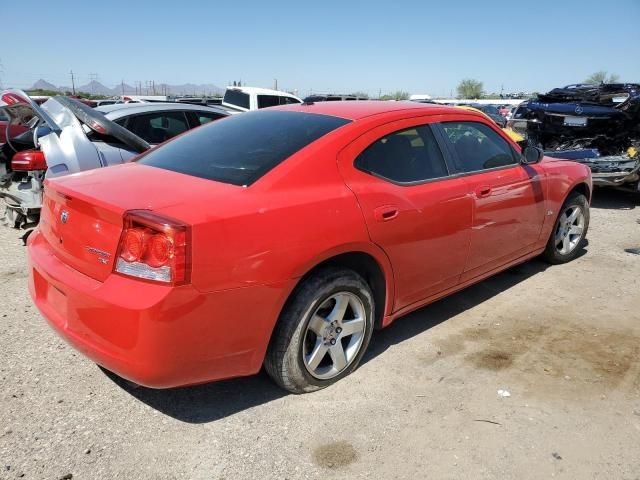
{"points": [[564, 341]]}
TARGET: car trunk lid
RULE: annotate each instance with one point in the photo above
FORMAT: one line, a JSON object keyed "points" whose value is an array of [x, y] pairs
{"points": [[82, 214]]}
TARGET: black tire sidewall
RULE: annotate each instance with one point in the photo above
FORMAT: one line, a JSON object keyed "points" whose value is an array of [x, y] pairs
{"points": [[296, 317]]}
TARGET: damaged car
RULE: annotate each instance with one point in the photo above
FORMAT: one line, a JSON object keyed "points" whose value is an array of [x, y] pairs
{"points": [[597, 125], [64, 136]]}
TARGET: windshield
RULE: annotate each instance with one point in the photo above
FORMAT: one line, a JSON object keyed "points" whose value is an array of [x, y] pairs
{"points": [[242, 148], [490, 109]]}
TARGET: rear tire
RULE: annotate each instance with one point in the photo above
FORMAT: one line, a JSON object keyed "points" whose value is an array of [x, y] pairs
{"points": [[323, 331], [569, 233]]}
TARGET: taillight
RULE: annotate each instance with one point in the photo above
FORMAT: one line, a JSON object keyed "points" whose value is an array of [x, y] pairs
{"points": [[154, 248], [28, 160]]}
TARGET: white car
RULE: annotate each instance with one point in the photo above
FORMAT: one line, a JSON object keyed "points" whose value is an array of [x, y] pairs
{"points": [[243, 99], [66, 136]]}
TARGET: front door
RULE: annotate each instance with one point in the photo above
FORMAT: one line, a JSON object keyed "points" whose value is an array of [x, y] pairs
{"points": [[507, 195]]}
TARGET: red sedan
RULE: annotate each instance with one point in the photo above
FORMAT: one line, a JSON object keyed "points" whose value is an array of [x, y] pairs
{"points": [[283, 237]]}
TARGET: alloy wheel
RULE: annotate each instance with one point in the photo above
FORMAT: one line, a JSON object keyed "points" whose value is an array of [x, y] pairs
{"points": [[334, 335], [569, 230]]}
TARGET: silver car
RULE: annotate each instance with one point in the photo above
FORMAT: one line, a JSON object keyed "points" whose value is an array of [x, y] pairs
{"points": [[66, 136]]}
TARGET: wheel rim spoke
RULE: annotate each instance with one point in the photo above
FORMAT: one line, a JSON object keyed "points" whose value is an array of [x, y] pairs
{"points": [[566, 244], [572, 217], [338, 356], [317, 324], [337, 314], [350, 327], [317, 354], [575, 230]]}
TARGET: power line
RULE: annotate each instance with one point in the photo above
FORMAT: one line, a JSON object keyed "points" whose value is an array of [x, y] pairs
{"points": [[93, 77]]}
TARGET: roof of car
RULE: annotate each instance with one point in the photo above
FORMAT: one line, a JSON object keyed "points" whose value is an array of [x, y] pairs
{"points": [[262, 91], [122, 109], [365, 108]]}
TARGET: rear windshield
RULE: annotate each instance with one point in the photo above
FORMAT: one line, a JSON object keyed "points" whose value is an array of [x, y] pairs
{"points": [[241, 148]]}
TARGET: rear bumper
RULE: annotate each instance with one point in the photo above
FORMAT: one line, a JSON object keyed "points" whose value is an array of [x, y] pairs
{"points": [[154, 335]]}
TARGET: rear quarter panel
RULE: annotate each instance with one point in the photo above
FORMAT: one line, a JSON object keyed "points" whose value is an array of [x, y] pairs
{"points": [[275, 230]]}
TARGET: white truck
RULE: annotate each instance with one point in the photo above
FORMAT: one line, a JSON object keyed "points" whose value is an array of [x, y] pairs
{"points": [[243, 99]]}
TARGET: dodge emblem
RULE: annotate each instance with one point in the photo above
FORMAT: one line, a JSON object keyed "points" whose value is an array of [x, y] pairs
{"points": [[64, 216]]}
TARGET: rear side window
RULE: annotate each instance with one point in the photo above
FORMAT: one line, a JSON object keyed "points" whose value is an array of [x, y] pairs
{"points": [[289, 101], [158, 127], [265, 101], [236, 97], [478, 147], [241, 148], [206, 117], [406, 156]]}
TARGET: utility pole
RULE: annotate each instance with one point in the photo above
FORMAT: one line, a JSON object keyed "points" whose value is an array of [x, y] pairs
{"points": [[73, 83], [122, 86], [275, 84]]}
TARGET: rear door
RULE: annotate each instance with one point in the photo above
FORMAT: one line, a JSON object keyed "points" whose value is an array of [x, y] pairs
{"points": [[508, 196], [158, 127], [416, 212]]}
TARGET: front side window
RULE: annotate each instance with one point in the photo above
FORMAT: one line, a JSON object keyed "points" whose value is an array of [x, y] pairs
{"points": [[289, 101], [478, 147], [406, 156], [158, 127]]}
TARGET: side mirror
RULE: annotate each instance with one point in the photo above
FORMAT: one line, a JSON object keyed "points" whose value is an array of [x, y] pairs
{"points": [[531, 155]]}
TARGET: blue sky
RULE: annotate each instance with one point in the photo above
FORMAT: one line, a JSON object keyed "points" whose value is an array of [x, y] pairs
{"points": [[416, 46]]}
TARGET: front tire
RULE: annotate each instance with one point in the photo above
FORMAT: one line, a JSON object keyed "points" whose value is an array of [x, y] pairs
{"points": [[569, 233], [323, 331]]}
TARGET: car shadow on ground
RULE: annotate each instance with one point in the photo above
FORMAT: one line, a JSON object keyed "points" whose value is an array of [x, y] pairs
{"points": [[612, 199], [438, 312], [213, 401]]}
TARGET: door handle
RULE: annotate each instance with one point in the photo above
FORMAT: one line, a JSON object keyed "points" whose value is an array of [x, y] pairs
{"points": [[386, 213], [483, 191]]}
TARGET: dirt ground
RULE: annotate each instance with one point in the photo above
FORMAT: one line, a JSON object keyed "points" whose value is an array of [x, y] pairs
{"points": [[563, 341]]}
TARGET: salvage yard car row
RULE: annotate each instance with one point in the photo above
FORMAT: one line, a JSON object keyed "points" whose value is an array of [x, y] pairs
{"points": [[597, 125], [281, 237]]}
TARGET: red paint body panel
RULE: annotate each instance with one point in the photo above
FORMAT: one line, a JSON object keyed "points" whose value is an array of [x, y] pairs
{"points": [[250, 246], [14, 130]]}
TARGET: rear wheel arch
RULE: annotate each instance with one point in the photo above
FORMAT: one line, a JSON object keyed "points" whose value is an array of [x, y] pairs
{"points": [[375, 272]]}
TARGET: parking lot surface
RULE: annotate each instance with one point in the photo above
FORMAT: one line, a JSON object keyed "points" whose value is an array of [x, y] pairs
{"points": [[561, 344]]}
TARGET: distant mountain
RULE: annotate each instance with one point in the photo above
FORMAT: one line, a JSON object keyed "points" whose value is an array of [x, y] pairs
{"points": [[44, 85], [96, 88]]}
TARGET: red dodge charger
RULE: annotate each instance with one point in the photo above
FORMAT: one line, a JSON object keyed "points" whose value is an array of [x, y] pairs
{"points": [[284, 237]]}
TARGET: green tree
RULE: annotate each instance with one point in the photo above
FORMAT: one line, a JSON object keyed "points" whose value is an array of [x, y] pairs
{"points": [[470, 88], [397, 95], [601, 77], [360, 94]]}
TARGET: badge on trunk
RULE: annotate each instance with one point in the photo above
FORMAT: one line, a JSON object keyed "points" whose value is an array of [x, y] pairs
{"points": [[64, 216]]}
